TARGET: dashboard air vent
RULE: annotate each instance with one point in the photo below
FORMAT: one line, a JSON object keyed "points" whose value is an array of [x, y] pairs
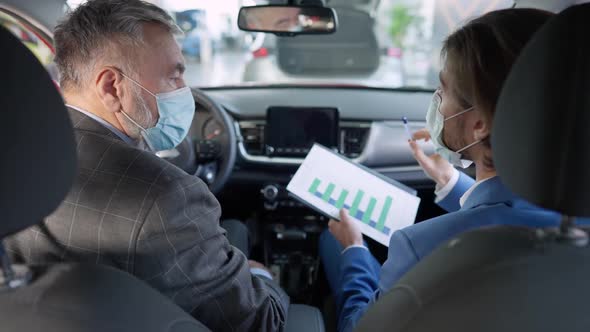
{"points": [[353, 139], [253, 134]]}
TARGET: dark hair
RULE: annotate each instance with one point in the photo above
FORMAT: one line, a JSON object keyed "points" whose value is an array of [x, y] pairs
{"points": [[102, 28], [480, 54]]}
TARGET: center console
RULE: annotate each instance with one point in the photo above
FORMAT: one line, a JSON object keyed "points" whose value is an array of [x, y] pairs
{"points": [[253, 146], [290, 231], [291, 236], [292, 131]]}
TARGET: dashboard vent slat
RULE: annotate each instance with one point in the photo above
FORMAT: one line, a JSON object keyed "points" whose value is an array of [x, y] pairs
{"points": [[253, 135], [353, 140]]}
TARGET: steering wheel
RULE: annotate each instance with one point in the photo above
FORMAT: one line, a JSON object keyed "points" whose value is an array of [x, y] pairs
{"points": [[220, 154]]}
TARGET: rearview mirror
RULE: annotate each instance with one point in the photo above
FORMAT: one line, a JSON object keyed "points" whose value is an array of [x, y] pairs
{"points": [[288, 20]]}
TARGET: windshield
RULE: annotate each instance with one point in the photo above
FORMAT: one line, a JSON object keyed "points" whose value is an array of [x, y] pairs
{"points": [[379, 43]]}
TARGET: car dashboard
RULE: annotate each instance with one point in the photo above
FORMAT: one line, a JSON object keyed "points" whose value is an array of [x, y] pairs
{"points": [[370, 128], [370, 131]]}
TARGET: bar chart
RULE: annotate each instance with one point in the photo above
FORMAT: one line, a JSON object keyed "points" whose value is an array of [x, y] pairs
{"points": [[329, 183], [354, 210]]}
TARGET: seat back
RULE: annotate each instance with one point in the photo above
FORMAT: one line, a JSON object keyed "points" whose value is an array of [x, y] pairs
{"points": [[496, 279], [513, 278], [37, 169], [90, 298]]}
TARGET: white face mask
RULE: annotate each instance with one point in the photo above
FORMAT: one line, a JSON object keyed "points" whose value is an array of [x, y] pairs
{"points": [[435, 123]]}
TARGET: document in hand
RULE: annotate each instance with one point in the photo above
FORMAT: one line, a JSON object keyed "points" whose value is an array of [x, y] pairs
{"points": [[329, 182]]}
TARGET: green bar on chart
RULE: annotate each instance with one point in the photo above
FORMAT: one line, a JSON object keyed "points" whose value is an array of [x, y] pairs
{"points": [[328, 192], [340, 202], [369, 212], [314, 186], [357, 201], [384, 213]]}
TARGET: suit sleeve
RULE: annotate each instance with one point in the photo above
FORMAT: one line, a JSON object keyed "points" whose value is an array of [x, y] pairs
{"points": [[450, 202], [401, 257], [360, 282], [183, 252], [361, 287]]}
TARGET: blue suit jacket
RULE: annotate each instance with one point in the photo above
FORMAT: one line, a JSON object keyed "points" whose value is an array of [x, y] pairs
{"points": [[491, 203]]}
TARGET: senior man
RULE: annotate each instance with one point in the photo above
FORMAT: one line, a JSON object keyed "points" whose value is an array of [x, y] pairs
{"points": [[122, 79]]}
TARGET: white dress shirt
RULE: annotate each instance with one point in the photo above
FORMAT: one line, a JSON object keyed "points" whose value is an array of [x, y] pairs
{"points": [[105, 124], [441, 193]]}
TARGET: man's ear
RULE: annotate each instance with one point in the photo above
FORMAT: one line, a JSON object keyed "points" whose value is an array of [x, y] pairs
{"points": [[109, 88], [482, 127]]}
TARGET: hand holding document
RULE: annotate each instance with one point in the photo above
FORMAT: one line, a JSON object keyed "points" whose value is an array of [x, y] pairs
{"points": [[329, 182]]}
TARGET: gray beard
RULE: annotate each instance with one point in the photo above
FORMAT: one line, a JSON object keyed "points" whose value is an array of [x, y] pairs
{"points": [[142, 116]]}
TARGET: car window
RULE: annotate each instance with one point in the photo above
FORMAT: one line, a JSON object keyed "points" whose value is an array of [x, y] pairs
{"points": [[379, 43], [41, 49]]}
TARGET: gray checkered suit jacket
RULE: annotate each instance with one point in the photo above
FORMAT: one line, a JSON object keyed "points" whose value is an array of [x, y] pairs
{"points": [[131, 210]]}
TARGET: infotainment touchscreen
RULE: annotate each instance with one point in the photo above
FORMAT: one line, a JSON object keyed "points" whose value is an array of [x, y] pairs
{"points": [[292, 131]]}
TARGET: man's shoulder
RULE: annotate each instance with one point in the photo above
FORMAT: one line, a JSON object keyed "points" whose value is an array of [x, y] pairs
{"points": [[425, 235], [107, 157], [455, 222]]}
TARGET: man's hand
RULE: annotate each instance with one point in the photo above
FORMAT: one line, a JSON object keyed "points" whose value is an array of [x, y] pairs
{"points": [[346, 231], [421, 134], [258, 265], [435, 167]]}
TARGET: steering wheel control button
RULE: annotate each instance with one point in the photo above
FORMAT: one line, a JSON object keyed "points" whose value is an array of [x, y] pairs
{"points": [[207, 150]]}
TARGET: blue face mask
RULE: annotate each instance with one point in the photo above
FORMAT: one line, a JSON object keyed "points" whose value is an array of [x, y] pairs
{"points": [[176, 110]]}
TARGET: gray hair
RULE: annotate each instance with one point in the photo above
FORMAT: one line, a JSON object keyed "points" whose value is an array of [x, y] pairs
{"points": [[103, 28]]}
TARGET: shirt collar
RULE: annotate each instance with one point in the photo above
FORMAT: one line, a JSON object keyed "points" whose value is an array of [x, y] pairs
{"points": [[107, 125], [470, 191]]}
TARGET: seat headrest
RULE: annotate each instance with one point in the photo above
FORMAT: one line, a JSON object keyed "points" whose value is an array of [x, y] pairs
{"points": [[38, 149], [540, 133]]}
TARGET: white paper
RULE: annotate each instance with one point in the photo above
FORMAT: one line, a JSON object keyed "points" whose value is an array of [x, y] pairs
{"points": [[382, 207]]}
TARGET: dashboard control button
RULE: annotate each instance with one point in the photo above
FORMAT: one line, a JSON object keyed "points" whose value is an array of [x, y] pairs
{"points": [[270, 150], [270, 192]]}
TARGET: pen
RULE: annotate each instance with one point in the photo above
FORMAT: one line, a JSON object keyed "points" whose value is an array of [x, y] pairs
{"points": [[405, 121]]}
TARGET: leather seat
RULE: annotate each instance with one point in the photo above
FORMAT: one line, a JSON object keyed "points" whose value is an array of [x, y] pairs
{"points": [[37, 169], [509, 278], [306, 318]]}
